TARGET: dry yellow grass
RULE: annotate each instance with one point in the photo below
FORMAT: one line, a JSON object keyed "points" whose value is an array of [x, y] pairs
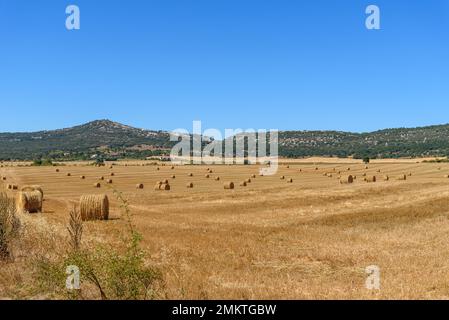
{"points": [[270, 239]]}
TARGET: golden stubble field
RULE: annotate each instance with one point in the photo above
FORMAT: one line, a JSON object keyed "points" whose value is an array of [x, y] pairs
{"points": [[310, 239]]}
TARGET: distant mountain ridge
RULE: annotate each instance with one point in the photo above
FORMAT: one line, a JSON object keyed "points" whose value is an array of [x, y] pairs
{"points": [[111, 139], [386, 143]]}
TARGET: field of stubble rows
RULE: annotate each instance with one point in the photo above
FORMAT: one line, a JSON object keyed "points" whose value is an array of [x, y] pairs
{"points": [[271, 239]]}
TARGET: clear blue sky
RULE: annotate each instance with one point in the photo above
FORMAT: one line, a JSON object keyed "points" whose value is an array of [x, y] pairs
{"points": [[160, 64]]}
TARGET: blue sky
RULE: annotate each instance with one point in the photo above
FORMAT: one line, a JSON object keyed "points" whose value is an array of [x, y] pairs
{"points": [[282, 64]]}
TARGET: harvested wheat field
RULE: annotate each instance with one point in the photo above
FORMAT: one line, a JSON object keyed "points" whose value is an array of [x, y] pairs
{"points": [[312, 238]]}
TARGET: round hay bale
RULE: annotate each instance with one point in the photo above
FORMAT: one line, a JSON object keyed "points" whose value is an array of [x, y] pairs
{"points": [[207, 176], [253, 176], [172, 167], [190, 174], [109, 181], [94, 207], [409, 174], [210, 171], [316, 168], [228, 185], [370, 179], [190, 185], [173, 177], [248, 180], [33, 188], [8, 186], [139, 186], [290, 180], [158, 185], [401, 177], [57, 170], [243, 184], [82, 177], [364, 174], [29, 201], [101, 178], [157, 168], [386, 178], [164, 186], [282, 177], [97, 185], [217, 178], [288, 167], [4, 178], [346, 179], [15, 187], [348, 169], [112, 174], [68, 174]]}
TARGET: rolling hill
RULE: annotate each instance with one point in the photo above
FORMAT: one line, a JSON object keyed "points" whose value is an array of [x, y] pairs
{"points": [[114, 140], [81, 142]]}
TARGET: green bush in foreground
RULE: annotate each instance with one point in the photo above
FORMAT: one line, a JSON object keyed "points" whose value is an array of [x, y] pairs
{"points": [[118, 274]]}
